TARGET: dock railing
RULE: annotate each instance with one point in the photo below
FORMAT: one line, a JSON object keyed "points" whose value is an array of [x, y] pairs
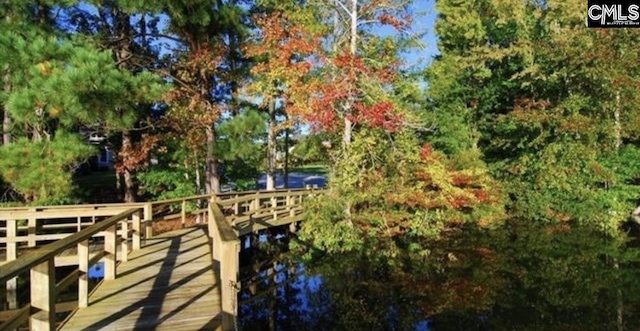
{"points": [[83, 235]]}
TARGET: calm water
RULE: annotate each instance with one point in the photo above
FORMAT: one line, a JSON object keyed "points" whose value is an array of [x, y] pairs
{"points": [[520, 277]]}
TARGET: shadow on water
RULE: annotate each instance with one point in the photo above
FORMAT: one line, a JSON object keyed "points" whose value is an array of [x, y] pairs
{"points": [[519, 277]]}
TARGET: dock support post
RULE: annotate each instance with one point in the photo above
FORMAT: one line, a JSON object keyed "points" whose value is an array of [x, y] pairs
{"points": [[83, 280], [124, 241], [148, 218], [32, 224], [229, 270], [183, 214], [110, 249], [12, 254], [137, 230], [43, 297]]}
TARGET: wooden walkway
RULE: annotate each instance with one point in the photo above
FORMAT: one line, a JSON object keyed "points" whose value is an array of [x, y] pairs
{"points": [[170, 284]]}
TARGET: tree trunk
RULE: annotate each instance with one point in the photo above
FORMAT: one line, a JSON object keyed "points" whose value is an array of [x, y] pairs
{"points": [[6, 123], [346, 134], [129, 193], [129, 187], [213, 177], [271, 147], [119, 180], [197, 169], [353, 38], [616, 265], [6, 128], [123, 54], [285, 170]]}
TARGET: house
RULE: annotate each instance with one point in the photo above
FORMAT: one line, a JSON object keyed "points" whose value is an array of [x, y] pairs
{"points": [[104, 160]]}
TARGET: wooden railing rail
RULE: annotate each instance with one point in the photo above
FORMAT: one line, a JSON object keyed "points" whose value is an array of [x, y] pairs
{"points": [[228, 215], [226, 259], [40, 264]]}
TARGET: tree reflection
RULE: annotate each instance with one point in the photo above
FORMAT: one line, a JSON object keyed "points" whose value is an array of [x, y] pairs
{"points": [[521, 276]]}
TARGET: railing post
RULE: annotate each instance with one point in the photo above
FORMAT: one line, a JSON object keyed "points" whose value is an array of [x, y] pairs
{"points": [[289, 198], [137, 230], [255, 204], [110, 250], [229, 270], [236, 206], [33, 230], [148, 219], [12, 254], [183, 214], [43, 297], [124, 241], [83, 281]]}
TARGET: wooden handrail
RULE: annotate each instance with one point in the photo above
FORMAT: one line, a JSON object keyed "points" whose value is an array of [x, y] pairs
{"points": [[40, 262], [178, 200], [47, 252], [225, 254], [220, 197]]}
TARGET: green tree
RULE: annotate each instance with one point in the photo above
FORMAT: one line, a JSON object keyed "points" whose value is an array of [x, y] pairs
{"points": [[113, 27], [281, 76], [525, 87], [551, 106], [199, 72], [57, 83]]}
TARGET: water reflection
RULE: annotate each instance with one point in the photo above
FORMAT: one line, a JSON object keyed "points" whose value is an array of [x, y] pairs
{"points": [[519, 277]]}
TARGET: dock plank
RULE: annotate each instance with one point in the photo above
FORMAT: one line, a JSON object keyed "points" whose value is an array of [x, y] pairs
{"points": [[170, 284]]}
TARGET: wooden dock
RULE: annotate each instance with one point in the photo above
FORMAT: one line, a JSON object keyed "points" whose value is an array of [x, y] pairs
{"points": [[170, 281], [170, 284]]}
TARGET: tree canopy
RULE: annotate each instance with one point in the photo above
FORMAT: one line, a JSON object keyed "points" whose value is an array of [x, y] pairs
{"points": [[500, 173]]}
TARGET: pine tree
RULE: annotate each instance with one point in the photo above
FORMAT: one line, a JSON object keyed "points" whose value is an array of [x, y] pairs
{"points": [[59, 82], [199, 71], [111, 25]]}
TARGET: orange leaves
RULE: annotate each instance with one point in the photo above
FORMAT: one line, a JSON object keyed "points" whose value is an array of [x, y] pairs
{"points": [[435, 183], [283, 54], [461, 180], [379, 115], [352, 68], [425, 151], [399, 24], [135, 156], [292, 66], [191, 103], [322, 120], [341, 95]]}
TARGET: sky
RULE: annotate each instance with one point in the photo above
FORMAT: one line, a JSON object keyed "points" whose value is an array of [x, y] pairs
{"points": [[424, 14], [424, 22]]}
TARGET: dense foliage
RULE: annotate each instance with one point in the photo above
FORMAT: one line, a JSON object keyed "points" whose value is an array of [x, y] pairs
{"points": [[501, 174]]}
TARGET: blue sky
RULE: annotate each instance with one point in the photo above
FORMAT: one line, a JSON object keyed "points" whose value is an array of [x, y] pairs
{"points": [[424, 22]]}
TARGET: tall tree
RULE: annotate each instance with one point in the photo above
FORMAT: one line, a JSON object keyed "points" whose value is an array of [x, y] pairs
{"points": [[281, 76], [360, 63], [58, 82], [538, 94], [200, 96], [113, 27]]}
